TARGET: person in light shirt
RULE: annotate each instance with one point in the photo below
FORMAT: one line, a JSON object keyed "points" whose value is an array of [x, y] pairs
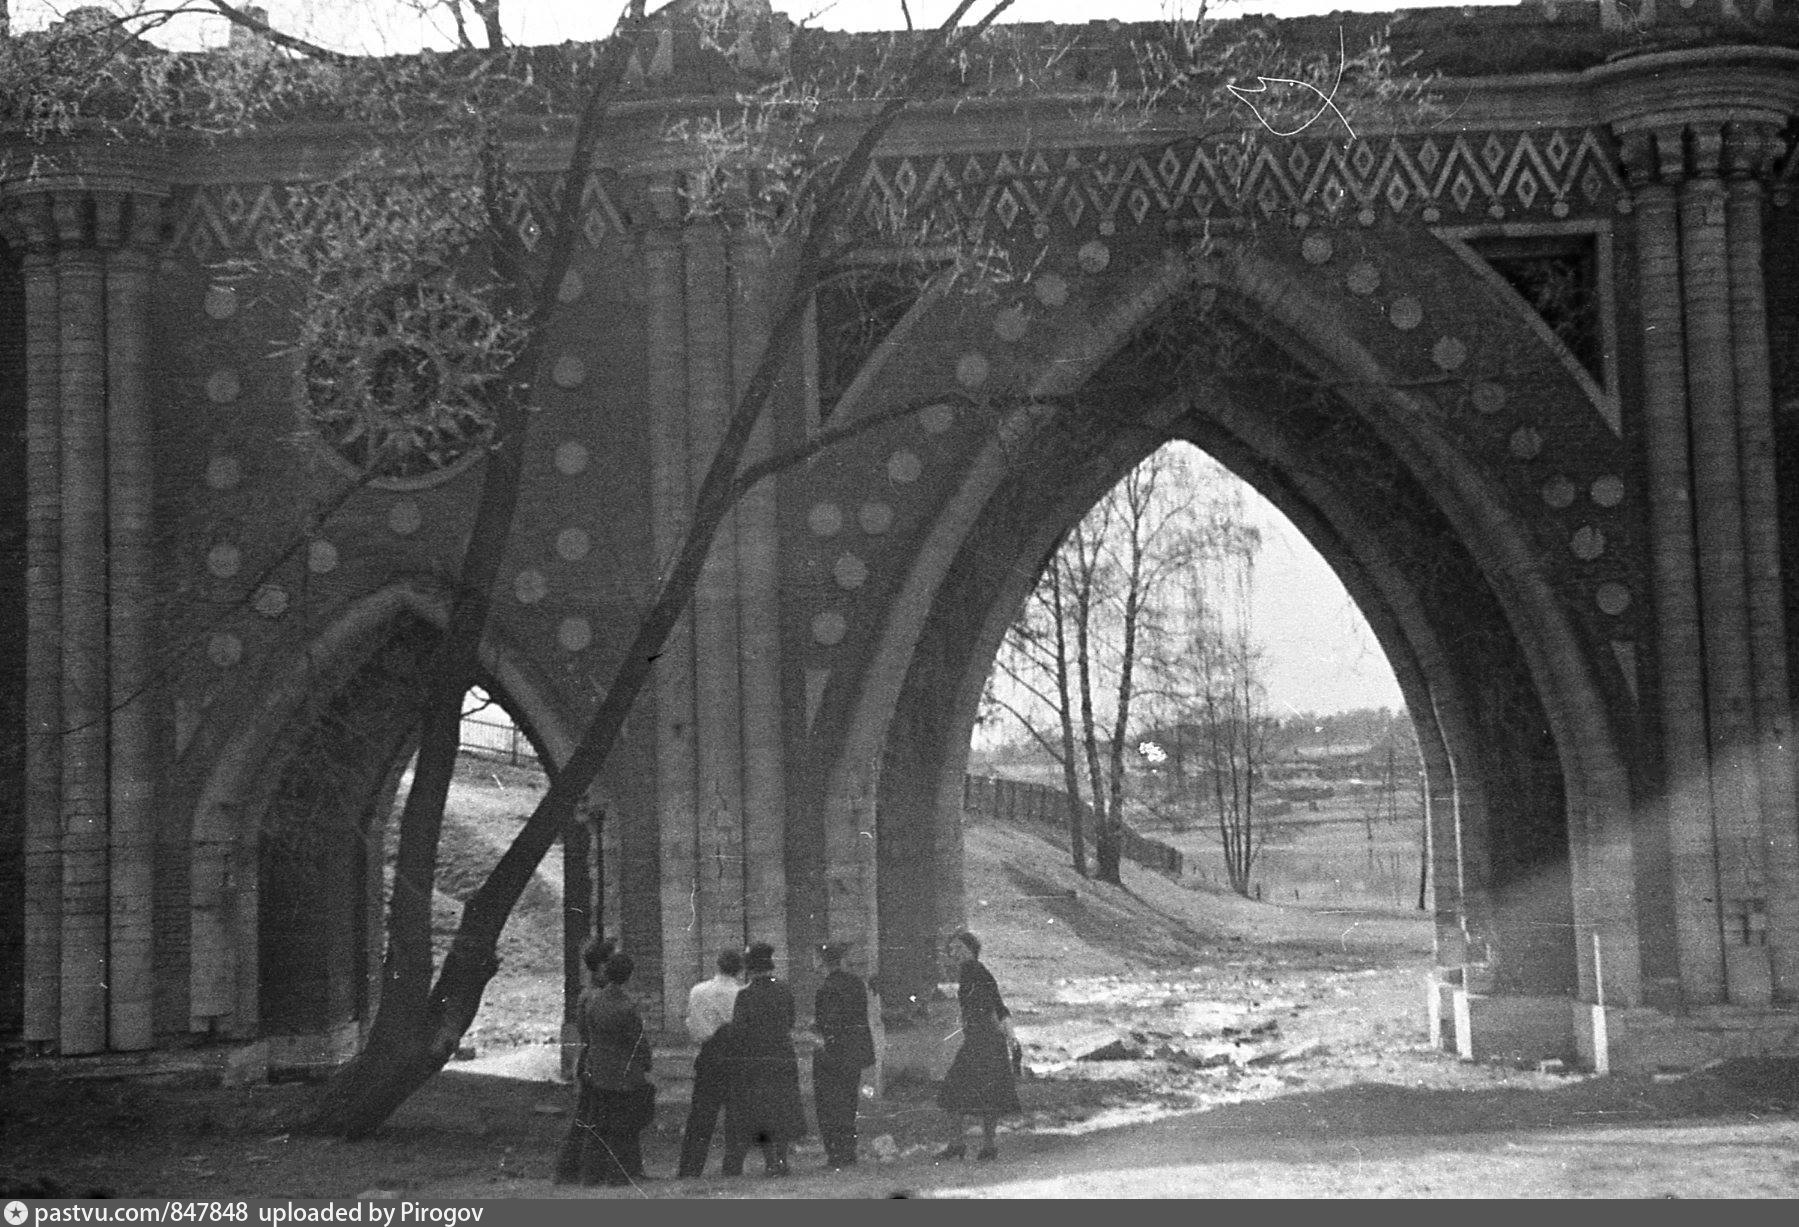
{"points": [[709, 1007]]}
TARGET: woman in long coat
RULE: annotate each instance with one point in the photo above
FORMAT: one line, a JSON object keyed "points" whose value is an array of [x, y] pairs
{"points": [[766, 1089], [617, 1100], [980, 1081]]}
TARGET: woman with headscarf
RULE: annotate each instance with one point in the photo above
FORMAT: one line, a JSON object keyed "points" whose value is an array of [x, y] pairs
{"points": [[767, 1104], [980, 1081]]}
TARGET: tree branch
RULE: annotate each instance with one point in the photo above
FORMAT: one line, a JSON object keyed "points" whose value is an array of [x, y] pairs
{"points": [[280, 38]]}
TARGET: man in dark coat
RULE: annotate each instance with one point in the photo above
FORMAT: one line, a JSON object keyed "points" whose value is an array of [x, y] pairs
{"points": [[766, 1110], [840, 1013]]}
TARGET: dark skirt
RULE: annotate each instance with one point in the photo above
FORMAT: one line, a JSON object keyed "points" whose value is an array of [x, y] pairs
{"points": [[602, 1145], [980, 1081]]}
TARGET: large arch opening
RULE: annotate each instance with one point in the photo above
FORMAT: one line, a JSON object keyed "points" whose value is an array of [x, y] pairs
{"points": [[1265, 741], [1352, 466]]}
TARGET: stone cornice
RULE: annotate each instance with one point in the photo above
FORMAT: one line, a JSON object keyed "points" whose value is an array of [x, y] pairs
{"points": [[1698, 87]]}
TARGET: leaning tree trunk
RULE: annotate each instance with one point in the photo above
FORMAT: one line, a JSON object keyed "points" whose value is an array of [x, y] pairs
{"points": [[424, 1034], [418, 1026]]}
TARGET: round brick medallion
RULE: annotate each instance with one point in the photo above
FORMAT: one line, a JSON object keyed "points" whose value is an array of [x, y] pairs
{"points": [[849, 571], [571, 458], [270, 600], [405, 518], [321, 558], [829, 628], [875, 518], [1051, 289], [224, 559], [574, 634], [1449, 353], [223, 387], [224, 650], [530, 586], [1363, 279], [1011, 324], [224, 472], [572, 544], [220, 302], [568, 372]]}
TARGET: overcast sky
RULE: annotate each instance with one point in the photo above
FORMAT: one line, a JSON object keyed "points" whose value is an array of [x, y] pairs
{"points": [[391, 25]]}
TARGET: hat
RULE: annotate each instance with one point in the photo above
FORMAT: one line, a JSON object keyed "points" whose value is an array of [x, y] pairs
{"points": [[759, 957], [619, 968]]}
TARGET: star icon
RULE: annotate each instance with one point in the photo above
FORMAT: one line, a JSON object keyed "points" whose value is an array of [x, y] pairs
{"points": [[16, 1213]]}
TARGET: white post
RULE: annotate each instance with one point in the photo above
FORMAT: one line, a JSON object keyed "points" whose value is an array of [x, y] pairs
{"points": [[1602, 1057]]}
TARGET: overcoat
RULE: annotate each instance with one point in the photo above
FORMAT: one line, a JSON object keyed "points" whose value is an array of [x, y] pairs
{"points": [[767, 1085], [841, 1010]]}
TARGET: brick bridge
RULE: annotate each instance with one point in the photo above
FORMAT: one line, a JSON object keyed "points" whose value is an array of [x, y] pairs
{"points": [[1569, 517]]}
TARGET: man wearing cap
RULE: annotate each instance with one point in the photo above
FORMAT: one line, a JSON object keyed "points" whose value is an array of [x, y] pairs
{"points": [[840, 1015]]}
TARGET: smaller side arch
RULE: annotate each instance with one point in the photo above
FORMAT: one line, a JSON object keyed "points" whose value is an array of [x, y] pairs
{"points": [[223, 848]]}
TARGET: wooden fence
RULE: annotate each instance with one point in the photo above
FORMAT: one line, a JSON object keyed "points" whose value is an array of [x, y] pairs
{"points": [[496, 737], [1022, 801]]}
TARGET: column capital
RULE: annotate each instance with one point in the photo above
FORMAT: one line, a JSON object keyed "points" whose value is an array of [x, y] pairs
{"points": [[1752, 150], [78, 212], [1672, 110], [27, 224], [664, 192], [1653, 156]]}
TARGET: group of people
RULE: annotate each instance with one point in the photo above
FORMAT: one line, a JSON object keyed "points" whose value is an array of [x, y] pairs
{"points": [[747, 1071]]}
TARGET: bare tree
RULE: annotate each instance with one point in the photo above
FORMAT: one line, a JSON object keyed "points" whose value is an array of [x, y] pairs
{"points": [[1226, 698], [1073, 658]]}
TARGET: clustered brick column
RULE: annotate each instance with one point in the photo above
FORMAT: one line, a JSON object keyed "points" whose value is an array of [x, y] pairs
{"points": [[1724, 708], [720, 771], [90, 766], [672, 503], [1751, 151]]}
